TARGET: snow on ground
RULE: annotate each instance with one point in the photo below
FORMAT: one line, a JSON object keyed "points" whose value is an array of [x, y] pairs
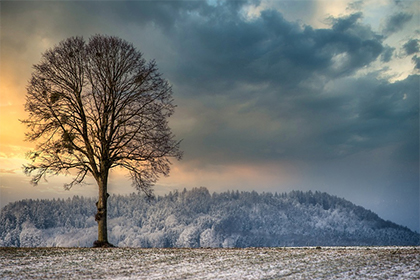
{"points": [[250, 263]]}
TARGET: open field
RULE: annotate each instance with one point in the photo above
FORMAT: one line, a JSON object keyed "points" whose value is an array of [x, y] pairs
{"points": [[250, 263]]}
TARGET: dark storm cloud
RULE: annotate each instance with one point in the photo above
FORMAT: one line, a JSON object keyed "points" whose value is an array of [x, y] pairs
{"points": [[264, 86], [161, 13], [396, 22], [416, 61], [387, 54], [387, 113], [411, 47], [218, 51], [356, 115]]}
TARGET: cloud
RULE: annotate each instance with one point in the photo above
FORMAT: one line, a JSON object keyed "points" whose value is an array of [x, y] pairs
{"points": [[412, 46], [396, 22], [7, 171], [353, 115], [416, 61], [272, 89], [355, 6], [217, 53], [387, 54], [261, 87]]}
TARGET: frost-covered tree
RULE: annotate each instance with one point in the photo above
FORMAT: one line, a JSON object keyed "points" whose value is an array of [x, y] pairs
{"points": [[30, 236], [230, 219], [94, 106]]}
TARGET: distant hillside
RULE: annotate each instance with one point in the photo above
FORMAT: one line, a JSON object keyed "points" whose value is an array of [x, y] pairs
{"points": [[197, 218]]}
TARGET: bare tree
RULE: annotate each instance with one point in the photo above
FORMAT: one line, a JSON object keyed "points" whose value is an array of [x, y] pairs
{"points": [[96, 106]]}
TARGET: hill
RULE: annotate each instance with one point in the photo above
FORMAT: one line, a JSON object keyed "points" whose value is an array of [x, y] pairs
{"points": [[197, 218]]}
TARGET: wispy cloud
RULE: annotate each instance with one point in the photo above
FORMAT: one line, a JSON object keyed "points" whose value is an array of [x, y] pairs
{"points": [[7, 171], [396, 22]]}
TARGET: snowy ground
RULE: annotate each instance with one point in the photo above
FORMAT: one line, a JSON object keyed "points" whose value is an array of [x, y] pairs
{"points": [[251, 263]]}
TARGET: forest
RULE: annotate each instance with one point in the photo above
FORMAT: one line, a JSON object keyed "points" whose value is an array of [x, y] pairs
{"points": [[196, 218]]}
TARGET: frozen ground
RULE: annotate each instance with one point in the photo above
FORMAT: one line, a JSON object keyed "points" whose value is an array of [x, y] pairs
{"points": [[251, 263]]}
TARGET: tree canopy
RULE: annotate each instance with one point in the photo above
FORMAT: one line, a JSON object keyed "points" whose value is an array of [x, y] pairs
{"points": [[97, 105]]}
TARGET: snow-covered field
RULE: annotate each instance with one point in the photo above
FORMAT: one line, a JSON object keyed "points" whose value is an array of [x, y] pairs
{"points": [[250, 263]]}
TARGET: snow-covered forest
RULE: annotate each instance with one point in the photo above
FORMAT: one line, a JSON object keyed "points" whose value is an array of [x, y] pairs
{"points": [[197, 218]]}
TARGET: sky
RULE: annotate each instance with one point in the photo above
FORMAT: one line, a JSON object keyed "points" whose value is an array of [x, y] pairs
{"points": [[271, 95]]}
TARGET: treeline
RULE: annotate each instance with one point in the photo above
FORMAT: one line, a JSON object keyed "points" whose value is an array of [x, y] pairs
{"points": [[197, 218]]}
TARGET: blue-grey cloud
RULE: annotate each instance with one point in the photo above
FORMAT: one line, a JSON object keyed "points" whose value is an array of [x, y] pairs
{"points": [[218, 51], [412, 46], [387, 54], [396, 22], [355, 6], [416, 61], [228, 57]]}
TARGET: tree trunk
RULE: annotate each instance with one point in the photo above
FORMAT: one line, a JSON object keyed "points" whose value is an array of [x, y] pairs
{"points": [[101, 215]]}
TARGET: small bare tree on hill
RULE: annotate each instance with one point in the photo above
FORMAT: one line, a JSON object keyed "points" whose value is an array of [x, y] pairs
{"points": [[94, 106]]}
